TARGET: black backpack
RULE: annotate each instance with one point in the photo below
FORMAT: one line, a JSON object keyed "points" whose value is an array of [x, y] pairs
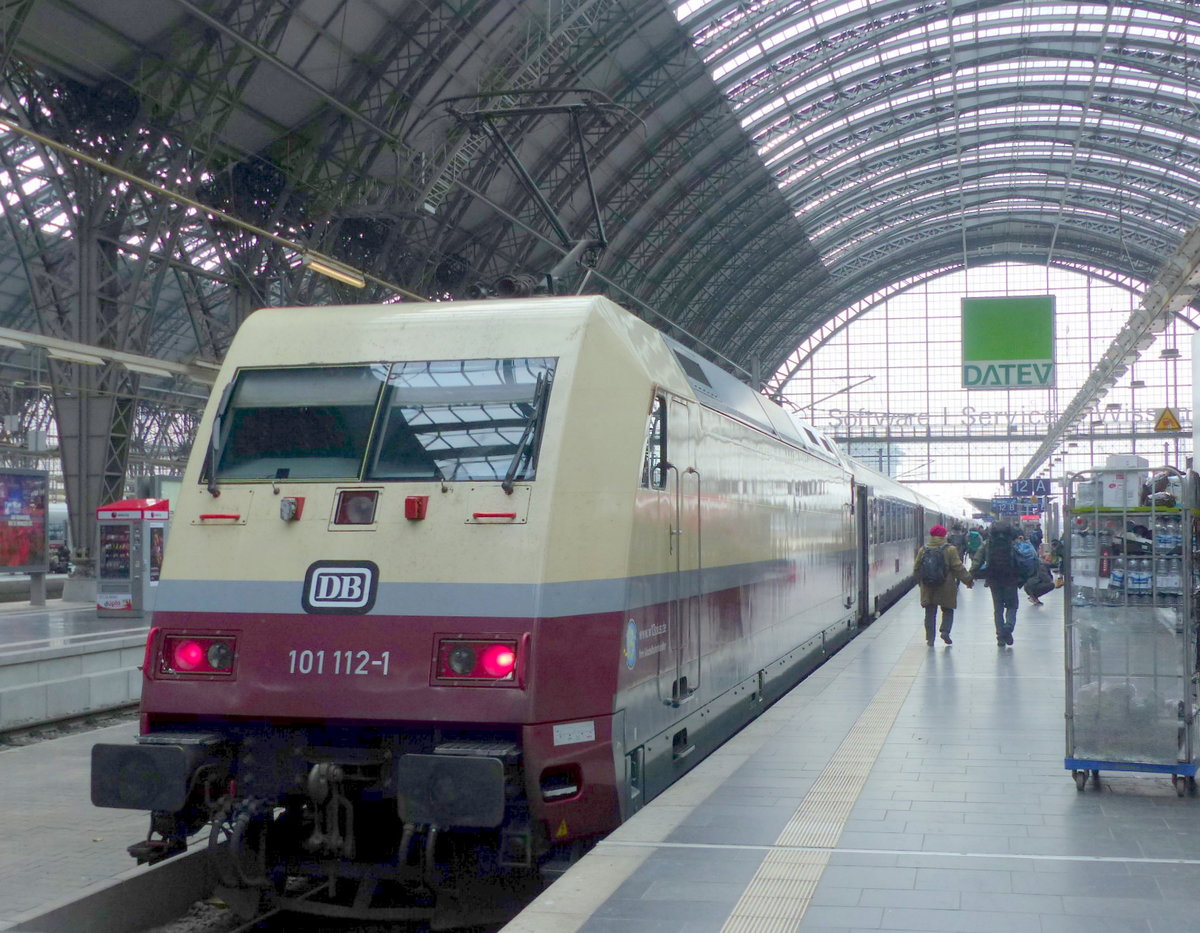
{"points": [[1001, 568], [932, 569]]}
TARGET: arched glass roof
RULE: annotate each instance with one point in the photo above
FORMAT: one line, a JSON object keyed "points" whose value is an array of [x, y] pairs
{"points": [[1064, 134]]}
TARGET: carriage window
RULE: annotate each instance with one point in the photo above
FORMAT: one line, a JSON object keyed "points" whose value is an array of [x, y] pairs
{"points": [[460, 420], [654, 476], [310, 423]]}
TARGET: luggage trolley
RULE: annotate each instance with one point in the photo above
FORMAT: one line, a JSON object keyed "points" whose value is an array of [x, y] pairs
{"points": [[1130, 629]]}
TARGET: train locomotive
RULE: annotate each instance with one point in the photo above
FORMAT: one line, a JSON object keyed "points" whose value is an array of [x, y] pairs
{"points": [[453, 589]]}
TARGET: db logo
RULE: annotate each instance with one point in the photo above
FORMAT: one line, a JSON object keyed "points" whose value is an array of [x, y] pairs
{"points": [[340, 586]]}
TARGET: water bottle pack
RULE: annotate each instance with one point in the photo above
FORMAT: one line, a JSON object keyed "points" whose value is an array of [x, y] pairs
{"points": [[1168, 538], [1141, 578]]}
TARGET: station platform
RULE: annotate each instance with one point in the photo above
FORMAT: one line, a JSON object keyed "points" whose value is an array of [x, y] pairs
{"points": [[57, 845], [899, 788], [57, 659], [61, 660], [58, 624]]}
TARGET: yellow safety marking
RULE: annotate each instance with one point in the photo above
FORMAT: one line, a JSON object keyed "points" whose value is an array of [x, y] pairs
{"points": [[777, 897], [1167, 421], [562, 830]]}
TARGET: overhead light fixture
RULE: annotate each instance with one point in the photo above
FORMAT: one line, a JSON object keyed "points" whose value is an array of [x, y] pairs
{"points": [[1073, 444], [334, 269], [1138, 384], [147, 369], [74, 356], [1170, 353], [1112, 406]]}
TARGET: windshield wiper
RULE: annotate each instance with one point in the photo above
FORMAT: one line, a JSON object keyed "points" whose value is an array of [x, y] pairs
{"points": [[531, 437]]}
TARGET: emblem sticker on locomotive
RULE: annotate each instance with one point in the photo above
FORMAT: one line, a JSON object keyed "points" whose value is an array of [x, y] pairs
{"points": [[340, 586], [631, 639]]}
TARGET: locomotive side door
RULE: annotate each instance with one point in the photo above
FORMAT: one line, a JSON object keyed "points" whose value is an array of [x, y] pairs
{"points": [[680, 670]]}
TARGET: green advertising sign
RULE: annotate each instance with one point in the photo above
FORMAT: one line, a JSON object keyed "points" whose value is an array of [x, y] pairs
{"points": [[1008, 343]]}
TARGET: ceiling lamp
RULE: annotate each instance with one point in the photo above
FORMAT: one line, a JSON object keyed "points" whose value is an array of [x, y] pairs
{"points": [[147, 369], [1170, 353], [74, 356], [334, 269], [1138, 384]]}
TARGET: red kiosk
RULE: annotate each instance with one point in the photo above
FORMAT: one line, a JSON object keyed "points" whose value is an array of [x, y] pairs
{"points": [[131, 538]]}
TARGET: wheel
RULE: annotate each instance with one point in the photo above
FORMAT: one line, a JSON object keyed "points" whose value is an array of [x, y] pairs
{"points": [[1096, 779], [1180, 784], [1080, 779]]}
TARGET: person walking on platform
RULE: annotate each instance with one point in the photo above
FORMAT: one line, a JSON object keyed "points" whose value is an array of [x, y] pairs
{"points": [[958, 537], [939, 569], [974, 542], [998, 565]]}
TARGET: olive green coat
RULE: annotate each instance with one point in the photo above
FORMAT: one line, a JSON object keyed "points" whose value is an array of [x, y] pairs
{"points": [[945, 594]]}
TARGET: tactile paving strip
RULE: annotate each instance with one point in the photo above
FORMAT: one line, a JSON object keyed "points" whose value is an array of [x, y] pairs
{"points": [[778, 895]]}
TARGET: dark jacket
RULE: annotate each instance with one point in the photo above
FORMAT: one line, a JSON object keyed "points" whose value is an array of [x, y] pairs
{"points": [[1002, 571], [946, 593]]}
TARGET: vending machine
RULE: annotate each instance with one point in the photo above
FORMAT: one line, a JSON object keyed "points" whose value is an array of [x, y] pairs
{"points": [[132, 535]]}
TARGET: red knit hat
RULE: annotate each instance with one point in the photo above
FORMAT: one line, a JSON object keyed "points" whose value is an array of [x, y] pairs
{"points": [[937, 531]]}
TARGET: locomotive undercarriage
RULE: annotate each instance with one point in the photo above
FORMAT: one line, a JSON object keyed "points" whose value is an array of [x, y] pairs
{"points": [[360, 823]]}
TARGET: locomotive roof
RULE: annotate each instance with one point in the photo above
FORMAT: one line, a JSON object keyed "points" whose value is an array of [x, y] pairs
{"points": [[318, 334], [726, 393]]}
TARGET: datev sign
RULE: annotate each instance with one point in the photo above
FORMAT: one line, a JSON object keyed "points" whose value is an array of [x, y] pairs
{"points": [[1008, 343]]}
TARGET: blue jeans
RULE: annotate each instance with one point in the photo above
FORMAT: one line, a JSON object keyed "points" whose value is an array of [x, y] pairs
{"points": [[1004, 609]]}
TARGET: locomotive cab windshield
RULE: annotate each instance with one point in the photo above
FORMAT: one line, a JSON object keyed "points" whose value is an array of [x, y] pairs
{"points": [[434, 420]]}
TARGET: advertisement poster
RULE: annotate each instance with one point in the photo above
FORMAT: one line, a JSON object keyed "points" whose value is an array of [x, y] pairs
{"points": [[1008, 343], [23, 495]]}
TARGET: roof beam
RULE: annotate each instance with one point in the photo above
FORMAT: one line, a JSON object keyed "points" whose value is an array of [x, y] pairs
{"points": [[1174, 288]]}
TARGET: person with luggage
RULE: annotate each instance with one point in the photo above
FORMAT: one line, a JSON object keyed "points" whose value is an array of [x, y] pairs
{"points": [[1038, 585], [974, 542], [1029, 565], [1058, 556], [996, 561], [939, 569]]}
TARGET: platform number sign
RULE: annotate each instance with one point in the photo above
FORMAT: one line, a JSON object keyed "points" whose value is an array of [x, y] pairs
{"points": [[1017, 505], [1031, 487]]}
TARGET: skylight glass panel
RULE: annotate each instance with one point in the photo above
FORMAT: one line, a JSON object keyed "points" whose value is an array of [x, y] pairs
{"points": [[853, 104]]}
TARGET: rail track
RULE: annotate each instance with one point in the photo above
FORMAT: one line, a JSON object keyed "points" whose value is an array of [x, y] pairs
{"points": [[28, 733]]}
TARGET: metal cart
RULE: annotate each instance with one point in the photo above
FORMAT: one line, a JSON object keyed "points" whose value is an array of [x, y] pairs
{"points": [[1130, 630]]}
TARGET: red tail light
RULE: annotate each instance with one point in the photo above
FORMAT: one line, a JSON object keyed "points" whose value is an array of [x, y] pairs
{"points": [[197, 654], [498, 660], [478, 661]]}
